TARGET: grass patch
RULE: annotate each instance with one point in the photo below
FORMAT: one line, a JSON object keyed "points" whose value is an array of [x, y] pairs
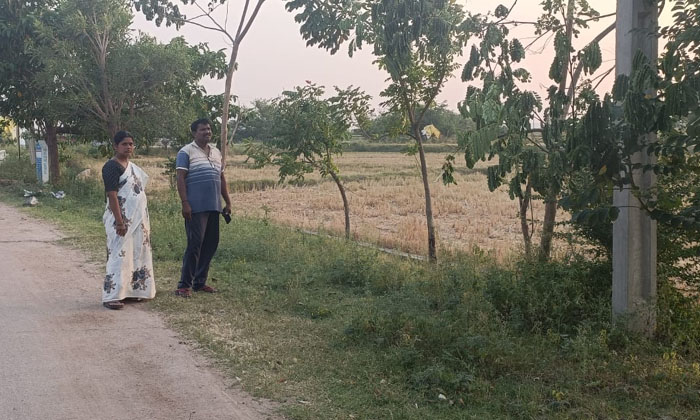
{"points": [[335, 330]]}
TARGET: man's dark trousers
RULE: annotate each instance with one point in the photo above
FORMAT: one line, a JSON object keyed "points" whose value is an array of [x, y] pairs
{"points": [[202, 240]]}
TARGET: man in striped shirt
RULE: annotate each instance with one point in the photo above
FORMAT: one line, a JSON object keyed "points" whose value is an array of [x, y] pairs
{"points": [[201, 184]]}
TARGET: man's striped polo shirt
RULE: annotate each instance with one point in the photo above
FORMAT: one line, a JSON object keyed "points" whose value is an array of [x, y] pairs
{"points": [[203, 178]]}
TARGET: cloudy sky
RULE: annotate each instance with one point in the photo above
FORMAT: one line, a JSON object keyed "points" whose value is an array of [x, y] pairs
{"points": [[274, 57]]}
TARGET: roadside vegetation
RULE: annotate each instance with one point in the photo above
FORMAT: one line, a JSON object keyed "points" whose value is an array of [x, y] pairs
{"points": [[509, 313], [335, 330]]}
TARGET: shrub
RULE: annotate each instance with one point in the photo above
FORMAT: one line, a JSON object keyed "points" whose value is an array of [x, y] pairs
{"points": [[557, 296]]}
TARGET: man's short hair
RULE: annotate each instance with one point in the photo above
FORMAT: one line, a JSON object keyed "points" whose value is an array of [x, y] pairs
{"points": [[202, 121]]}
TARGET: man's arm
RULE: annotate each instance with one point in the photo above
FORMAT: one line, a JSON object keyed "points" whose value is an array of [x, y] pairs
{"points": [[224, 193], [182, 191]]}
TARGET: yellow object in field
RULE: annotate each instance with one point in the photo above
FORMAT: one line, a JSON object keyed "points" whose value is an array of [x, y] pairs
{"points": [[7, 129], [431, 131]]}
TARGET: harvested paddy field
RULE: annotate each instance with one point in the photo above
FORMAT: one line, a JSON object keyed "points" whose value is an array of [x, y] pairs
{"points": [[387, 206]]}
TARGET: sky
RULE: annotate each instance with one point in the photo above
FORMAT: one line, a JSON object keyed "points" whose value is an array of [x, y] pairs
{"points": [[273, 57]]}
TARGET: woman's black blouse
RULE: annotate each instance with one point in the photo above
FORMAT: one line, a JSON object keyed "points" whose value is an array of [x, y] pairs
{"points": [[111, 172]]}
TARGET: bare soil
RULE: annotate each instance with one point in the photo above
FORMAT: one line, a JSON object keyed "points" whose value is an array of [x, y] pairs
{"points": [[65, 357]]}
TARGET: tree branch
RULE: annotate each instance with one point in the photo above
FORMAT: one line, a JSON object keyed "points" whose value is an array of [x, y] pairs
{"points": [[603, 76], [520, 22], [579, 67], [534, 143], [241, 24], [250, 21], [192, 22], [220, 28]]}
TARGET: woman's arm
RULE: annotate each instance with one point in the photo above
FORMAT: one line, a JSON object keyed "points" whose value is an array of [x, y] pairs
{"points": [[116, 211]]}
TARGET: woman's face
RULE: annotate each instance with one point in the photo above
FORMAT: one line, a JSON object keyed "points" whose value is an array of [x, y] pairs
{"points": [[125, 147]]}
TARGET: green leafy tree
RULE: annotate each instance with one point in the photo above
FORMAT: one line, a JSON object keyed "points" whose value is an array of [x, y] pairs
{"points": [[533, 161], [165, 10], [309, 134], [260, 122], [118, 81], [415, 42], [356, 102], [27, 105], [450, 123], [388, 126], [79, 70]]}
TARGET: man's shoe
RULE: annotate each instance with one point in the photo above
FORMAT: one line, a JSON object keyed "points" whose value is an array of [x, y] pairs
{"points": [[183, 292], [206, 289]]}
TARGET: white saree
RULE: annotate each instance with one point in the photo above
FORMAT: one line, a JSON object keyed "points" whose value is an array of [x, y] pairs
{"points": [[129, 259]]}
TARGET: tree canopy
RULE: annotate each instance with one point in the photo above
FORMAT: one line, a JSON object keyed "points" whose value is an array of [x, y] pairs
{"points": [[415, 42], [80, 69]]}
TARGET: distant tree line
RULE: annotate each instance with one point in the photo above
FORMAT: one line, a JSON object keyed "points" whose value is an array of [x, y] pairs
{"points": [[261, 118]]}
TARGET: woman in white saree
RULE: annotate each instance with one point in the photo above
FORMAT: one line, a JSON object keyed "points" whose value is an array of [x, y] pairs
{"points": [[129, 259]]}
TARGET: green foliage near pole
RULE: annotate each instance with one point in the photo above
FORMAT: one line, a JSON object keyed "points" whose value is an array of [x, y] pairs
{"points": [[660, 98], [533, 159], [654, 98], [415, 42]]}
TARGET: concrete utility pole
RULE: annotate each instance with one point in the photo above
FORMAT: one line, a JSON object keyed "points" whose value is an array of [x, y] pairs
{"points": [[634, 232]]}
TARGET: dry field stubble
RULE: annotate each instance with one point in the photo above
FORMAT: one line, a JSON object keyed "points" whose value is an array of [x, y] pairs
{"points": [[386, 202], [387, 206]]}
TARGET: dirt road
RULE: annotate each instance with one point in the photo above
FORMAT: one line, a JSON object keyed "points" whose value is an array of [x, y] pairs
{"points": [[65, 357]]}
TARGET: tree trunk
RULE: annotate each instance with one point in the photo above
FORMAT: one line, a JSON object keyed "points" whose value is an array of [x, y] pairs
{"points": [[550, 214], [19, 143], [550, 204], [31, 146], [112, 129], [52, 143], [432, 252], [525, 203], [227, 100], [346, 205]]}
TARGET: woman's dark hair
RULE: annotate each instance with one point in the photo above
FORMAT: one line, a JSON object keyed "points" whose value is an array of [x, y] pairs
{"points": [[120, 136], [195, 125]]}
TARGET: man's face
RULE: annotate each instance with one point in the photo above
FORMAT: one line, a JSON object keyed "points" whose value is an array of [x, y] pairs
{"points": [[203, 133]]}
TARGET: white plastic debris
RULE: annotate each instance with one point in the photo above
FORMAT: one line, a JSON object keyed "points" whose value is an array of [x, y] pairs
{"points": [[58, 194], [31, 201]]}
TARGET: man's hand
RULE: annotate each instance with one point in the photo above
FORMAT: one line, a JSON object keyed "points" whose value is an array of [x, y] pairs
{"points": [[227, 209], [186, 211]]}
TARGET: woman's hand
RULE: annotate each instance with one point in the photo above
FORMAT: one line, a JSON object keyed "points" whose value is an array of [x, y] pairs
{"points": [[121, 229]]}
